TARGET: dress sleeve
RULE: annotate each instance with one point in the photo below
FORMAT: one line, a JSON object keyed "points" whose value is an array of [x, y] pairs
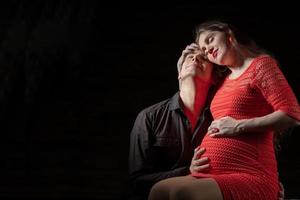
{"points": [[274, 87]]}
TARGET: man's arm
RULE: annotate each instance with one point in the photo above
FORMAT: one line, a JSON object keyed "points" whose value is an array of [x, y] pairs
{"points": [[142, 157]]}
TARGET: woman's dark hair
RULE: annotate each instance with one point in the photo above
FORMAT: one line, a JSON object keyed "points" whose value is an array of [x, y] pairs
{"points": [[219, 73]]}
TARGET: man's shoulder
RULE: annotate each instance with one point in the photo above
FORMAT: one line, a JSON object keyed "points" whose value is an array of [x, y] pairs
{"points": [[164, 104], [161, 106]]}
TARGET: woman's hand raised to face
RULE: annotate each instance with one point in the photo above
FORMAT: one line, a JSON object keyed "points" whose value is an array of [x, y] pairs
{"points": [[189, 49]]}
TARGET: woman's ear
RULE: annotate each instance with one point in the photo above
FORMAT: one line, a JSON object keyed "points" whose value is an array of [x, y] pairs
{"points": [[231, 38]]}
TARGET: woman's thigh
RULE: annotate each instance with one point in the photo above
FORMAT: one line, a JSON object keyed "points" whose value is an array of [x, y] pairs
{"points": [[186, 187]]}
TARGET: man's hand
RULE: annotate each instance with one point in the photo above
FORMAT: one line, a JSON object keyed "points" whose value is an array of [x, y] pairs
{"points": [[199, 163]]}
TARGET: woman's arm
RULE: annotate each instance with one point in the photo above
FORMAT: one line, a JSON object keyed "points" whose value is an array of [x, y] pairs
{"points": [[228, 126], [273, 86]]}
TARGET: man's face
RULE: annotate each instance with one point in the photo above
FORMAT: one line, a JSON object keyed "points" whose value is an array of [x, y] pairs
{"points": [[196, 66]]}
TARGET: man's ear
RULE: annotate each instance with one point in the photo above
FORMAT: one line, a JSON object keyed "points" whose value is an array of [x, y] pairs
{"points": [[230, 39]]}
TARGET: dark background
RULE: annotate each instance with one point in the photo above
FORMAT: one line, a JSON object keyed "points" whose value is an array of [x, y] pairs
{"points": [[74, 75]]}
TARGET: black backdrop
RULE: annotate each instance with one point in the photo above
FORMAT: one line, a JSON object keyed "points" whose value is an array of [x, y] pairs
{"points": [[74, 75]]}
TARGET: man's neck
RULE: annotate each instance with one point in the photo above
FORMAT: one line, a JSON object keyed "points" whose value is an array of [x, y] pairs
{"points": [[193, 93]]}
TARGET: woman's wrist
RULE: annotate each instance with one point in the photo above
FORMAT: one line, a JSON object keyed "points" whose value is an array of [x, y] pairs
{"points": [[241, 126]]}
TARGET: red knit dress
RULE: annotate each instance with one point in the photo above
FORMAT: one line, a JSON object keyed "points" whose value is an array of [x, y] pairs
{"points": [[245, 166]]}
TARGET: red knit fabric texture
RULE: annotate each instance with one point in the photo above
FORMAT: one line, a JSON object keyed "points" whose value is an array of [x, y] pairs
{"points": [[245, 166]]}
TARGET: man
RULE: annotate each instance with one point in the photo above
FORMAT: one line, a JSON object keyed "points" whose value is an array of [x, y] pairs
{"points": [[165, 135]]}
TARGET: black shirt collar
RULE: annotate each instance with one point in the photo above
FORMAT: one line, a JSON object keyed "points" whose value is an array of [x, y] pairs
{"points": [[175, 102]]}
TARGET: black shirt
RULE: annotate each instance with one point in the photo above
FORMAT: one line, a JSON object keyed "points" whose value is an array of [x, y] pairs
{"points": [[162, 144]]}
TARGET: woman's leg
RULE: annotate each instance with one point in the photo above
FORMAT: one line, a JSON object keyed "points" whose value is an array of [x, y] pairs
{"points": [[186, 187]]}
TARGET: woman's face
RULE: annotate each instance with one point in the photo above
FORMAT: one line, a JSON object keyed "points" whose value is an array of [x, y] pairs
{"points": [[215, 46], [195, 65]]}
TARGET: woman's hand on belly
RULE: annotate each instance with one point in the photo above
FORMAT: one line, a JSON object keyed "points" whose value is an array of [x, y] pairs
{"points": [[224, 127], [199, 163]]}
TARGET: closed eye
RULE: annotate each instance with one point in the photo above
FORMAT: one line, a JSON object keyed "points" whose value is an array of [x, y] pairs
{"points": [[190, 56], [209, 38]]}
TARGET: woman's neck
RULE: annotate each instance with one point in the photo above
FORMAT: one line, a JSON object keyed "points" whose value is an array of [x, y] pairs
{"points": [[241, 60]]}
